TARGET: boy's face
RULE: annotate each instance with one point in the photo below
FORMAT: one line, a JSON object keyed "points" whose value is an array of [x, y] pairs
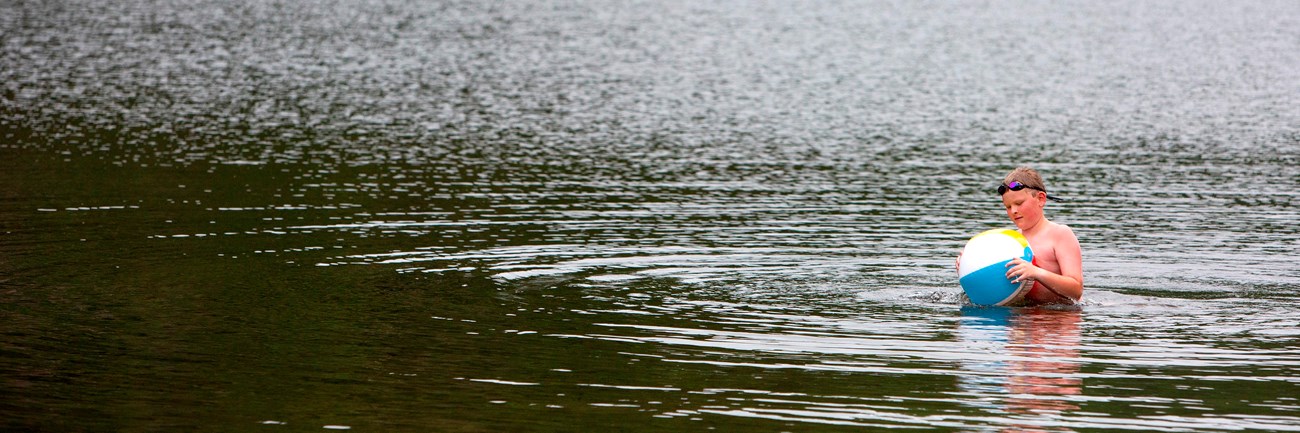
{"points": [[1024, 207]]}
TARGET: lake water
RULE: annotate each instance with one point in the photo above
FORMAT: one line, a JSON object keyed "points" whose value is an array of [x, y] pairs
{"points": [[640, 216]]}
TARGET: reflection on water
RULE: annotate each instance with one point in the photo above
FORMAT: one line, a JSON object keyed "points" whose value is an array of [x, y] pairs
{"points": [[1030, 364], [471, 215]]}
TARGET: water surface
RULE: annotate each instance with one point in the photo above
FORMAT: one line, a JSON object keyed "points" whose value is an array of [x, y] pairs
{"points": [[652, 216]]}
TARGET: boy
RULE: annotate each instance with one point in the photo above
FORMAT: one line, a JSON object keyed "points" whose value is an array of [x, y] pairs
{"points": [[1057, 269]]}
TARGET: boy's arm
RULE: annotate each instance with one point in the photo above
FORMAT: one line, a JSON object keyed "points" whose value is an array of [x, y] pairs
{"points": [[1070, 257]]}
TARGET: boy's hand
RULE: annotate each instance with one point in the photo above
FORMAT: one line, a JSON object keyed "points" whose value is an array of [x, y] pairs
{"points": [[1022, 270]]}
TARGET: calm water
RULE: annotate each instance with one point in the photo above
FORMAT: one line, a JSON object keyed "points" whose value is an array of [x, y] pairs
{"points": [[640, 216]]}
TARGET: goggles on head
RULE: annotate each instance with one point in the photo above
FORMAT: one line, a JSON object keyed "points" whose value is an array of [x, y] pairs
{"points": [[1015, 185]]}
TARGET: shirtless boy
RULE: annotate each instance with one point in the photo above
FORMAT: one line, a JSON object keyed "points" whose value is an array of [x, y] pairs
{"points": [[1057, 270]]}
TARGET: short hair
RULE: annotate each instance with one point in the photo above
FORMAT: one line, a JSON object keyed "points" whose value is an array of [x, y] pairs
{"points": [[1027, 177]]}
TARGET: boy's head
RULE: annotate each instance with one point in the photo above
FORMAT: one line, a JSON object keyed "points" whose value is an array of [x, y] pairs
{"points": [[1023, 195]]}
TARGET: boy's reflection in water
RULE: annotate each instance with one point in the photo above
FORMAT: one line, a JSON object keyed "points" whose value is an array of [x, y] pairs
{"points": [[1023, 363]]}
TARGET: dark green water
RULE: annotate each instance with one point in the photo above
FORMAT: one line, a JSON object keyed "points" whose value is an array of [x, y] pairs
{"points": [[652, 216]]}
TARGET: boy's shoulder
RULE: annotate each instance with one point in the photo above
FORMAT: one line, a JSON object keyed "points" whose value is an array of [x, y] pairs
{"points": [[1062, 231]]}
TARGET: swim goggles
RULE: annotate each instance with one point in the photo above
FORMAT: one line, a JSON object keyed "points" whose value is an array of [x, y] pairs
{"points": [[1015, 185]]}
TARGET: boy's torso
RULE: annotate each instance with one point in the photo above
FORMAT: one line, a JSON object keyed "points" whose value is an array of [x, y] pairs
{"points": [[1044, 242]]}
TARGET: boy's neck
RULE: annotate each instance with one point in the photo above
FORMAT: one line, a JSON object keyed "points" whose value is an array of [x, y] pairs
{"points": [[1038, 225]]}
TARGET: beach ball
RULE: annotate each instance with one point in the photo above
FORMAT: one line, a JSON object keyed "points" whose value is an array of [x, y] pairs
{"points": [[982, 270]]}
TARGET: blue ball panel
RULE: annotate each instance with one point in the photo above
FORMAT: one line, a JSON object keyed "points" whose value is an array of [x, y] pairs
{"points": [[989, 285]]}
